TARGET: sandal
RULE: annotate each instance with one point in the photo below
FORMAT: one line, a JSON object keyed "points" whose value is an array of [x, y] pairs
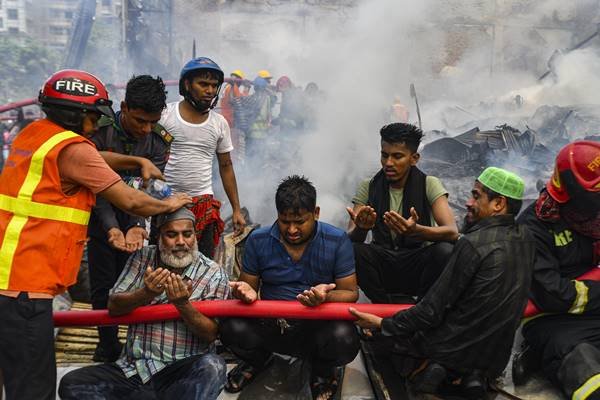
{"points": [[242, 374], [325, 388]]}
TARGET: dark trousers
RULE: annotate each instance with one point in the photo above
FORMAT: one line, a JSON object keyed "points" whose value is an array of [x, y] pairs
{"points": [[195, 378], [206, 244], [568, 349], [27, 348], [382, 273], [105, 265], [326, 344]]}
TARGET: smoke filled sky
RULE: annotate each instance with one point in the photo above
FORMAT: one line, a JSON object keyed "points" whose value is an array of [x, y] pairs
{"points": [[456, 54], [468, 60]]}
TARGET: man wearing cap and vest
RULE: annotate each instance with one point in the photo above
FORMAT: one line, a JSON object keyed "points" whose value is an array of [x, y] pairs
{"points": [[114, 233], [465, 325], [198, 134], [565, 221], [47, 189], [164, 359]]}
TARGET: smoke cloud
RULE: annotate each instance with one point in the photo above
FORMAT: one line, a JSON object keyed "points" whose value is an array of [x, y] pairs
{"points": [[453, 54], [468, 59]]}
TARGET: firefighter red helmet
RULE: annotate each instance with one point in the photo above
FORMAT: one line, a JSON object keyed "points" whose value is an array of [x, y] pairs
{"points": [[72, 88], [577, 167]]}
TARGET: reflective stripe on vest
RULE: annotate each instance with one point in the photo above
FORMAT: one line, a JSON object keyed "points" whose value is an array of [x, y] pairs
{"points": [[22, 207], [588, 388], [581, 299]]}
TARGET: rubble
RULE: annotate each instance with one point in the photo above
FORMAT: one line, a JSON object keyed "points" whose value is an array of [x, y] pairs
{"points": [[457, 160]]}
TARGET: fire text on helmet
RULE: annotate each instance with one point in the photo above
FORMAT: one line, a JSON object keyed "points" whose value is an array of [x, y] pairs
{"points": [[594, 164], [75, 87]]}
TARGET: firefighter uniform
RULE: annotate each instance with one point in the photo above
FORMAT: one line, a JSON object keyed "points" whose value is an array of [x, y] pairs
{"points": [[566, 345], [42, 235]]}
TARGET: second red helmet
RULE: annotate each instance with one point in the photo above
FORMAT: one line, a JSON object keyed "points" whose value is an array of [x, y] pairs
{"points": [[577, 163]]}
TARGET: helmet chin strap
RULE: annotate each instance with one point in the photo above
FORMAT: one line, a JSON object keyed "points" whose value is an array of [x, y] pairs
{"points": [[200, 106]]}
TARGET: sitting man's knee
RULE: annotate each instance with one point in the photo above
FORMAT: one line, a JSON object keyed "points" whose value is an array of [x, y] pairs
{"points": [[578, 368], [212, 367], [232, 329], [441, 250], [69, 382], [344, 338]]}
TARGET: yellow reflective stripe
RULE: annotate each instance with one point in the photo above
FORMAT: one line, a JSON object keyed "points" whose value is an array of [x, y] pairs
{"points": [[9, 245], [27, 208], [582, 298], [36, 168], [589, 387]]}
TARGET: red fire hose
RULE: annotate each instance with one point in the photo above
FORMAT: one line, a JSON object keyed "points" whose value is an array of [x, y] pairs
{"points": [[592, 275], [258, 309], [227, 308]]}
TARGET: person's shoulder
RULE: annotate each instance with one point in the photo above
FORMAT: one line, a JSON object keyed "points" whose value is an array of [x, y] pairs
{"points": [[210, 268], [217, 116], [361, 196], [467, 242], [137, 259], [171, 106], [331, 231], [365, 182], [163, 134], [431, 180], [80, 149], [434, 188], [104, 122], [170, 110], [261, 233], [206, 262], [218, 120], [528, 216], [434, 182]]}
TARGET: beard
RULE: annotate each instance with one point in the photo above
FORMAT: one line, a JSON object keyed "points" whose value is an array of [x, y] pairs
{"points": [[175, 261], [467, 224]]}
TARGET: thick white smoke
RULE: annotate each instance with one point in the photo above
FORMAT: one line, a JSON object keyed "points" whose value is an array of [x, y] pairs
{"points": [[469, 60]]}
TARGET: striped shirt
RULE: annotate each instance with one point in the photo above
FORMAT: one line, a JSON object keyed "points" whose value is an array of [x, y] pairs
{"points": [[153, 346]]}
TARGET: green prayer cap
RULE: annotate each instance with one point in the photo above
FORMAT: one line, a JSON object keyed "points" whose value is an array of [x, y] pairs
{"points": [[503, 182]]}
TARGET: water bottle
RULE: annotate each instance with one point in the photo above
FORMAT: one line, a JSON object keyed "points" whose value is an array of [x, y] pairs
{"points": [[155, 188]]}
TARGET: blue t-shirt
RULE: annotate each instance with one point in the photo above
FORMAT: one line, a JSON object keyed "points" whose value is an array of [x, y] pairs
{"points": [[327, 257]]}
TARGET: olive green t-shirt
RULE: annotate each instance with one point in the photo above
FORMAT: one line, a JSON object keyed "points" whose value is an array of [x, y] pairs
{"points": [[433, 188]]}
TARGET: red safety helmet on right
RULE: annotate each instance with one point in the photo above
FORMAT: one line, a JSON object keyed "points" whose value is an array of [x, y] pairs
{"points": [[577, 163]]}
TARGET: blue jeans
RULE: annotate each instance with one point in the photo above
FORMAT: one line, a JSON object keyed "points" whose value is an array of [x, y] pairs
{"points": [[196, 378]]}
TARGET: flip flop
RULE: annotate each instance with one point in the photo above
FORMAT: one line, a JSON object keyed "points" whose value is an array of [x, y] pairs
{"points": [[242, 375]]}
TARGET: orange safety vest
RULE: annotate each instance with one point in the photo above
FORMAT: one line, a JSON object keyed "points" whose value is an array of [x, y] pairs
{"points": [[42, 230], [226, 108]]}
